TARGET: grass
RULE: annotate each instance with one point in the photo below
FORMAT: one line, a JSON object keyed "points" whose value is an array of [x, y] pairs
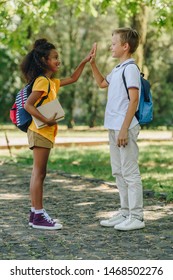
{"points": [[155, 160], [156, 165]]}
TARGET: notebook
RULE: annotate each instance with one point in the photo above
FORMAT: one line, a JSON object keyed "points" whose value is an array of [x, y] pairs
{"points": [[48, 110]]}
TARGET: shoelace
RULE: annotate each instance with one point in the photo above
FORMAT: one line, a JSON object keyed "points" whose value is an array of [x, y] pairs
{"points": [[47, 217]]}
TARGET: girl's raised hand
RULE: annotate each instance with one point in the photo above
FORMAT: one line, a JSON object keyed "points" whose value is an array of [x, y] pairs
{"points": [[93, 53]]}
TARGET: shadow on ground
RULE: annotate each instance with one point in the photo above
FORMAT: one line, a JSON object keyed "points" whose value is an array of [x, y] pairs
{"points": [[79, 204]]}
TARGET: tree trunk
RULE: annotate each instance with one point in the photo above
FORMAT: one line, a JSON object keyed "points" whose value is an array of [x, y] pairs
{"points": [[139, 22]]}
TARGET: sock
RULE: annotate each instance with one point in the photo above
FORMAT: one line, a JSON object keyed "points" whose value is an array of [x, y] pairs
{"points": [[32, 209], [39, 211]]}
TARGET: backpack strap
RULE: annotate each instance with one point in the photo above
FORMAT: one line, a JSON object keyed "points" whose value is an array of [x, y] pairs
{"points": [[123, 76], [144, 83], [125, 84], [46, 96]]}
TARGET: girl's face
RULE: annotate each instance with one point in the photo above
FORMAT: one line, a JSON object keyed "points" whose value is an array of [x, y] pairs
{"points": [[117, 48], [53, 61]]}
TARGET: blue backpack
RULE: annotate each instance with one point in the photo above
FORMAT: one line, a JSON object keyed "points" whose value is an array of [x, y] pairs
{"points": [[18, 115], [144, 114]]}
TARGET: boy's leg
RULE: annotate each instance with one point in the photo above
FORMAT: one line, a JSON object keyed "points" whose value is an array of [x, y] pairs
{"points": [[131, 174], [115, 158]]}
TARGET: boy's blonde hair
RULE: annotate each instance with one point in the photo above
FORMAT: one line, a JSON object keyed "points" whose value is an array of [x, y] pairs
{"points": [[128, 35]]}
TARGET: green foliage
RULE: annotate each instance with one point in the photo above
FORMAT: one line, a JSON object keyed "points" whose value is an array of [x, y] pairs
{"points": [[164, 15], [8, 81], [23, 19], [75, 25], [75, 36], [159, 60], [128, 8]]}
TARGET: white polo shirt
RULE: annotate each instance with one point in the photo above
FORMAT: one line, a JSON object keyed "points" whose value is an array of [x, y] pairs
{"points": [[117, 102]]}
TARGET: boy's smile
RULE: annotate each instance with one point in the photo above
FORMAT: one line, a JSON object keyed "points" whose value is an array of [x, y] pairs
{"points": [[118, 49]]}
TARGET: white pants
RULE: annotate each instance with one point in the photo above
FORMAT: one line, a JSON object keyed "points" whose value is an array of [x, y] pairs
{"points": [[124, 163]]}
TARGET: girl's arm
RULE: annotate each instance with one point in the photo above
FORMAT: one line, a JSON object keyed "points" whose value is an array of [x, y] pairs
{"points": [[75, 76], [77, 72], [31, 109]]}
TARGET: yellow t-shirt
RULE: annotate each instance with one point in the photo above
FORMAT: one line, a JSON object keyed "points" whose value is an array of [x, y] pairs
{"points": [[42, 84]]}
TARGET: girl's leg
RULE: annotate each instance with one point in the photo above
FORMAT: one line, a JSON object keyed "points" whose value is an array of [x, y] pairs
{"points": [[40, 159], [41, 219]]}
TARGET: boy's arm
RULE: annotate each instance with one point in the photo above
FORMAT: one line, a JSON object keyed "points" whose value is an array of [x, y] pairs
{"points": [[101, 81], [123, 134]]}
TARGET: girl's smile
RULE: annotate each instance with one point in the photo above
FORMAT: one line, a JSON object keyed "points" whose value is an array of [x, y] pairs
{"points": [[53, 61]]}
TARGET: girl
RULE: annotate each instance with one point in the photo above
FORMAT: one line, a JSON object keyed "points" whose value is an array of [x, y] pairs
{"points": [[40, 64]]}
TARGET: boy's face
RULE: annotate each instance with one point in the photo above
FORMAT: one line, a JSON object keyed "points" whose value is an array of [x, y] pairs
{"points": [[118, 49]]}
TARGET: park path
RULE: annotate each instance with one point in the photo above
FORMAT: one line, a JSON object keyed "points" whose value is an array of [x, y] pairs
{"points": [[79, 203], [19, 142]]}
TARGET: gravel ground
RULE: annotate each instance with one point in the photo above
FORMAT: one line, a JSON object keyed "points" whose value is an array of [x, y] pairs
{"points": [[79, 204]]}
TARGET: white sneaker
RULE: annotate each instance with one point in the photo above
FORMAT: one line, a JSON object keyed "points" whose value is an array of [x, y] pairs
{"points": [[130, 224], [115, 220]]}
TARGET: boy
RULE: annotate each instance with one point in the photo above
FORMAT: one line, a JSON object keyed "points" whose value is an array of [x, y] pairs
{"points": [[123, 129]]}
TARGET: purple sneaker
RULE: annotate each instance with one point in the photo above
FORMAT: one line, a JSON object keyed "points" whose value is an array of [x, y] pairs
{"points": [[43, 221], [31, 218]]}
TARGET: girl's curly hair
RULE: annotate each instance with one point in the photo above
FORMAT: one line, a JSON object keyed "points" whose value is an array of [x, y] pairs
{"points": [[33, 64]]}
